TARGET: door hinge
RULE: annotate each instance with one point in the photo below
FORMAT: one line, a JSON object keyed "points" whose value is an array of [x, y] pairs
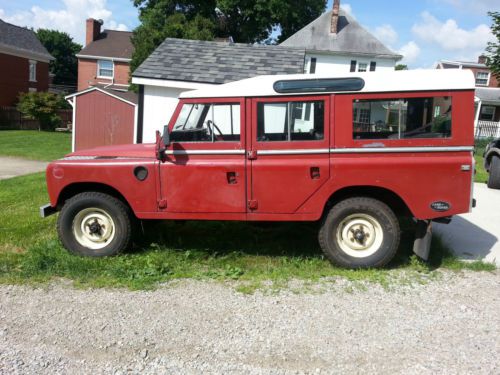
{"points": [[253, 204], [252, 155], [162, 204]]}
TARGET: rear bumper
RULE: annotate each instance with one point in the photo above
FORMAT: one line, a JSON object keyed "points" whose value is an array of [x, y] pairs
{"points": [[47, 210]]}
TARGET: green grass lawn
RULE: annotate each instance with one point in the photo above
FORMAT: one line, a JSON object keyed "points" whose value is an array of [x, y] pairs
{"points": [[34, 145], [481, 174], [253, 255]]}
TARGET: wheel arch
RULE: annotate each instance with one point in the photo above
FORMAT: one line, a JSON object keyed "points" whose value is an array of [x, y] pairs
{"points": [[387, 196], [71, 190]]}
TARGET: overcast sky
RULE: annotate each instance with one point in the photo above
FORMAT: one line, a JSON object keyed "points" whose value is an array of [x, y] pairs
{"points": [[423, 31]]}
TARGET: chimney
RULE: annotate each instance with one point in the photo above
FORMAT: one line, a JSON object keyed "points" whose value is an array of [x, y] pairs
{"points": [[481, 59], [335, 16], [93, 30]]}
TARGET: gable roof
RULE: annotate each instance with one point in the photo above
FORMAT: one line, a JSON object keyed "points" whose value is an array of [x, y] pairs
{"points": [[216, 63], [23, 42], [112, 44], [125, 96], [351, 38], [452, 64]]}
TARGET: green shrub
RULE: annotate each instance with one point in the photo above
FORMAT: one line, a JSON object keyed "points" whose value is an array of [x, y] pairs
{"points": [[43, 107]]}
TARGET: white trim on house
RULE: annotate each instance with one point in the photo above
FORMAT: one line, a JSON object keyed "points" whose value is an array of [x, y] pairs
{"points": [[384, 81], [118, 59], [98, 89], [18, 52], [73, 130], [461, 64], [136, 119], [171, 84]]}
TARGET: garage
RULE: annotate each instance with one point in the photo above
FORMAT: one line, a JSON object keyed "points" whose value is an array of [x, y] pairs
{"points": [[103, 117]]}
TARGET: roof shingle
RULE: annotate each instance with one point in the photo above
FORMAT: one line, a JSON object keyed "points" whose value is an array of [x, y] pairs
{"points": [[22, 39], [215, 62], [112, 44], [351, 38]]}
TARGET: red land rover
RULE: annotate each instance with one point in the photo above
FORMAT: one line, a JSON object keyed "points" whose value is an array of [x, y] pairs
{"points": [[351, 152]]}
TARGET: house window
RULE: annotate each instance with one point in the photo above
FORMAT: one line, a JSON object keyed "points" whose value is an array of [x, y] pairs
{"points": [[482, 78], [32, 71], [290, 121], [425, 117], [312, 68], [105, 68], [487, 113], [373, 66], [353, 65], [362, 67]]}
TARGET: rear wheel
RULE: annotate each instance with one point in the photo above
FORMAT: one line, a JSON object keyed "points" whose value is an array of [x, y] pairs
{"points": [[494, 177], [95, 224], [360, 232]]}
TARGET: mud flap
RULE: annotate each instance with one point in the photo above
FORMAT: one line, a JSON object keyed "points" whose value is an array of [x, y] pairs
{"points": [[423, 237]]}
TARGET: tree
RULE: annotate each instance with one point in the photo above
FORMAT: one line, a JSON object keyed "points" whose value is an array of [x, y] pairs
{"points": [[42, 106], [493, 49], [247, 21], [401, 67], [61, 46]]}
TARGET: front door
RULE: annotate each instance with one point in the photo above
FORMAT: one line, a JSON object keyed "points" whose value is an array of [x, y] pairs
{"points": [[288, 152], [205, 167]]}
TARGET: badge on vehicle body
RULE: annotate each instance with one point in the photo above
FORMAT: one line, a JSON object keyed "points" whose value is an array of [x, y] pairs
{"points": [[440, 206]]}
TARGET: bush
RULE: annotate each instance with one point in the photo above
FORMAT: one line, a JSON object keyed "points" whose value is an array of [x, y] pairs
{"points": [[42, 106]]}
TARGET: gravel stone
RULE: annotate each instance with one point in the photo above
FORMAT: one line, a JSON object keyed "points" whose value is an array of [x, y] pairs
{"points": [[450, 326]]}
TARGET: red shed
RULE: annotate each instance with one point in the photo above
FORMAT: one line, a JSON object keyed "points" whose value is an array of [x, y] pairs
{"points": [[103, 117]]}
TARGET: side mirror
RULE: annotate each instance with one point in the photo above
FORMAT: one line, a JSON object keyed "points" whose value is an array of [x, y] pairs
{"points": [[166, 136]]}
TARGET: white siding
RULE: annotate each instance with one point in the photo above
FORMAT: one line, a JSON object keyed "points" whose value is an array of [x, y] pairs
{"points": [[326, 64], [159, 105]]}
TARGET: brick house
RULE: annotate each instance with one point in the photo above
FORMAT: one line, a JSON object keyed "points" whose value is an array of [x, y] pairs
{"points": [[24, 63], [105, 59], [487, 99]]}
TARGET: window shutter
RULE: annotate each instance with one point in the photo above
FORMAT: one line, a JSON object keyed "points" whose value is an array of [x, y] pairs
{"points": [[353, 65], [312, 68], [373, 66]]}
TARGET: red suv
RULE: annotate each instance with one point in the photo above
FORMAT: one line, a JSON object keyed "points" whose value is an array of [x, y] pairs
{"points": [[351, 152]]}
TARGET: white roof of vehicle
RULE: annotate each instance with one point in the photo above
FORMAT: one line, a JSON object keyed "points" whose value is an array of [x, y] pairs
{"points": [[392, 81]]}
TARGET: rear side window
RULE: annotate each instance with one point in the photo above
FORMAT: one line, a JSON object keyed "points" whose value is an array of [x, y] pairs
{"points": [[207, 123], [402, 118], [290, 121]]}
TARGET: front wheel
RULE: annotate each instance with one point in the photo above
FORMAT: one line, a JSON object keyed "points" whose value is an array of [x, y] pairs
{"points": [[360, 232], [95, 224]]}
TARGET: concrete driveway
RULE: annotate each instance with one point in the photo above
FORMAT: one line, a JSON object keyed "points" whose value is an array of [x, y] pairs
{"points": [[12, 167], [476, 235]]}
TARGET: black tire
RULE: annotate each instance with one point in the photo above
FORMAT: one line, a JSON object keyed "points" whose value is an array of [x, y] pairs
{"points": [[370, 216], [494, 177], [90, 208]]}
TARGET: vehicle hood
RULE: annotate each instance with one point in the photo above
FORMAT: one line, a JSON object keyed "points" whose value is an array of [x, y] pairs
{"points": [[147, 150]]}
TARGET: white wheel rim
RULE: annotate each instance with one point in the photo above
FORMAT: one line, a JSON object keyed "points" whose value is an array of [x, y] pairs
{"points": [[93, 228], [359, 235]]}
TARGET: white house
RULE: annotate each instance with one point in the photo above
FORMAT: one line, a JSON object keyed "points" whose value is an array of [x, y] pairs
{"points": [[333, 43]]}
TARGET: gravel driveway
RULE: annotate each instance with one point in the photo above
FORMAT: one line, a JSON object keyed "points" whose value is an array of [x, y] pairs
{"points": [[449, 325]]}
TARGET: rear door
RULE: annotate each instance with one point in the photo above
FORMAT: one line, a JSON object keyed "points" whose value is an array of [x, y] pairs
{"points": [[288, 152]]}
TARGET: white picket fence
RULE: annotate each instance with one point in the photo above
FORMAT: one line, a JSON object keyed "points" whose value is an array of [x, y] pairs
{"points": [[487, 129]]}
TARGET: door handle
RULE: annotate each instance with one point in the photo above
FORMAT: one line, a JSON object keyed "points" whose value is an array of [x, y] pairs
{"points": [[315, 173], [231, 178]]}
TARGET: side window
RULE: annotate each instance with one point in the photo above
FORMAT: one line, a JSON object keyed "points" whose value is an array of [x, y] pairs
{"points": [[428, 117], [207, 123], [290, 121]]}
